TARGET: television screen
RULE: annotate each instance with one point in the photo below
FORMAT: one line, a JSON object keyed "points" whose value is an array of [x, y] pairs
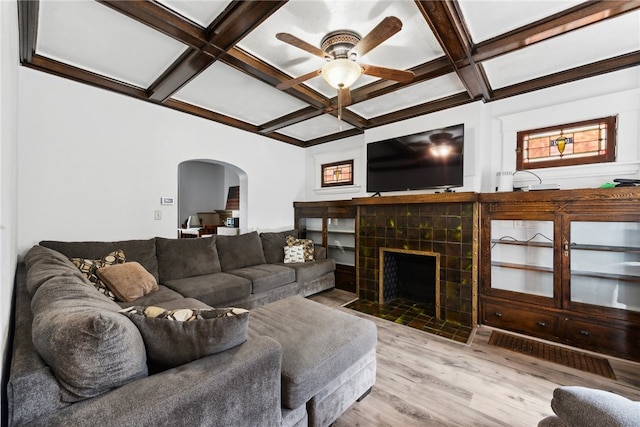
{"points": [[425, 160]]}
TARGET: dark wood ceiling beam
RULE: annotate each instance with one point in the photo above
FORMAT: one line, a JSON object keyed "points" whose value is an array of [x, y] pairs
{"points": [[262, 71], [28, 28], [160, 18], [419, 110], [289, 119], [432, 69], [446, 22], [572, 19], [590, 70], [238, 20], [333, 137], [191, 63], [285, 138], [210, 115], [60, 69]]}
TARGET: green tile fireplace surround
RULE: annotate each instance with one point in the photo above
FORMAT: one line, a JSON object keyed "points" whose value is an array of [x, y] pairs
{"points": [[445, 224]]}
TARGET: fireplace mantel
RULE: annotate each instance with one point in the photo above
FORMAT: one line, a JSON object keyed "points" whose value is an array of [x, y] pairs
{"points": [[417, 198]]}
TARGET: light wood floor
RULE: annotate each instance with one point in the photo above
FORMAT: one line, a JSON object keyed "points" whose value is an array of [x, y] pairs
{"points": [[426, 380]]}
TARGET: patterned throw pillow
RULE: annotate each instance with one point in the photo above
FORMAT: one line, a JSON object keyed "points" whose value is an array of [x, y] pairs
{"points": [[307, 245], [89, 268], [293, 254], [176, 337]]}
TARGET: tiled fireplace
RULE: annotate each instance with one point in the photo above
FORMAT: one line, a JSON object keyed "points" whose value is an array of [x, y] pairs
{"points": [[442, 226]]}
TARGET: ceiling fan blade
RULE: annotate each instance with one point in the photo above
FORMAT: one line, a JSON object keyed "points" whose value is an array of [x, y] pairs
{"points": [[344, 97], [388, 73], [291, 83], [385, 29], [301, 44]]}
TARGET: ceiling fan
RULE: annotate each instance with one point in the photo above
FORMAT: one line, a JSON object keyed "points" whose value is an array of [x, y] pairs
{"points": [[341, 49]]}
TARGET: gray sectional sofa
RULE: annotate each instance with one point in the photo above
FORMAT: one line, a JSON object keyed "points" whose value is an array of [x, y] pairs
{"points": [[78, 359]]}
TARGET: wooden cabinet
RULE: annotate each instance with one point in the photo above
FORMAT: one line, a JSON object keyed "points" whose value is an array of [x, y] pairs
{"points": [[332, 225], [564, 266]]}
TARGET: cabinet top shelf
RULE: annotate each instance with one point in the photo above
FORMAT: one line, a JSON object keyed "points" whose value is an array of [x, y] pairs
{"points": [[608, 248], [522, 243]]}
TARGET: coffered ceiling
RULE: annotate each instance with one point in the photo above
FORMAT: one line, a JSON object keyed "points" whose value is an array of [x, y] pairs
{"points": [[221, 60]]}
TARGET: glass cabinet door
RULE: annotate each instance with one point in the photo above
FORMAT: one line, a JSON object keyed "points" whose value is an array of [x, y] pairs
{"points": [[605, 264], [341, 237], [311, 228], [522, 256]]}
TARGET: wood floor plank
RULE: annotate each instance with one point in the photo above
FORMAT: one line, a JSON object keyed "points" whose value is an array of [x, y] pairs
{"points": [[426, 380]]}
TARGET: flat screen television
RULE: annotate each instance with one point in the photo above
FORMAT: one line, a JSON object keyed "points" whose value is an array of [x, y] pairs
{"points": [[424, 160]]}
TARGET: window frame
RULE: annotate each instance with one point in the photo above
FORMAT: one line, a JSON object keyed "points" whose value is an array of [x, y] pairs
{"points": [[326, 166], [608, 156]]}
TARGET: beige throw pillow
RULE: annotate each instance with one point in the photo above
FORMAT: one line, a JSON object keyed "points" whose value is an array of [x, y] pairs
{"points": [[128, 281]]}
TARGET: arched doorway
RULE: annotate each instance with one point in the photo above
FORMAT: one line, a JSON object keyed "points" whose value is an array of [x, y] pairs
{"points": [[203, 186]]}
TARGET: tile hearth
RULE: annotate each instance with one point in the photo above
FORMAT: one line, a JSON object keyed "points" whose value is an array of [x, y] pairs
{"points": [[414, 315]]}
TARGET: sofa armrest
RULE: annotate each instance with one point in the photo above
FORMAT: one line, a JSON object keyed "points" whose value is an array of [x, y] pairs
{"points": [[319, 252], [240, 386]]}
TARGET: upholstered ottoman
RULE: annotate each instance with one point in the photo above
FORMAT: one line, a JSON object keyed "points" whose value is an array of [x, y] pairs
{"points": [[328, 356]]}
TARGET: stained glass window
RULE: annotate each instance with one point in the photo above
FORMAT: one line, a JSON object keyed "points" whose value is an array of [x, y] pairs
{"points": [[591, 141], [339, 173]]}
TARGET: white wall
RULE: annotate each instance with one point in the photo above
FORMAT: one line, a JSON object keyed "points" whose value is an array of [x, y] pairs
{"points": [[93, 165], [8, 172], [490, 136]]}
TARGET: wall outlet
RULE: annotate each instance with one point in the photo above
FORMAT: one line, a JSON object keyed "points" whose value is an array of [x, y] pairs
{"points": [[157, 215]]}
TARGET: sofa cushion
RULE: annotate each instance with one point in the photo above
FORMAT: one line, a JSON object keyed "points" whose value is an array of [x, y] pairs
{"points": [[128, 281], [581, 406], [176, 337], [43, 264], [142, 251], [318, 343], [308, 271], [180, 258], [212, 289], [88, 345], [272, 244], [240, 251], [89, 269], [266, 276]]}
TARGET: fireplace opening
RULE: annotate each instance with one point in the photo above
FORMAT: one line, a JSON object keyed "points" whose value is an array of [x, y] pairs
{"points": [[410, 276]]}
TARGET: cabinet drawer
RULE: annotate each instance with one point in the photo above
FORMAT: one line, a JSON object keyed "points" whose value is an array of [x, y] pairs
{"points": [[602, 338], [542, 325]]}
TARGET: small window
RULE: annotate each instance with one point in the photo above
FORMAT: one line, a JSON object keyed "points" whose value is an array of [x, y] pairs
{"points": [[338, 173], [590, 141]]}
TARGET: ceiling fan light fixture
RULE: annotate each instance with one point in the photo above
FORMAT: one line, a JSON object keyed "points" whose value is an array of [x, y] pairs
{"points": [[341, 73]]}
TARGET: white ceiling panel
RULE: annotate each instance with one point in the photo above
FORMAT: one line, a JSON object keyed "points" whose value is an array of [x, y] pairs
{"points": [[316, 127], [222, 89], [606, 39], [127, 42], [201, 12], [81, 34], [312, 20], [410, 96], [487, 19]]}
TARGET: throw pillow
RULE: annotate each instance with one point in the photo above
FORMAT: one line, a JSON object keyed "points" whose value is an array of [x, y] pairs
{"points": [[293, 254], [88, 268], [128, 281], [176, 337], [307, 245]]}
